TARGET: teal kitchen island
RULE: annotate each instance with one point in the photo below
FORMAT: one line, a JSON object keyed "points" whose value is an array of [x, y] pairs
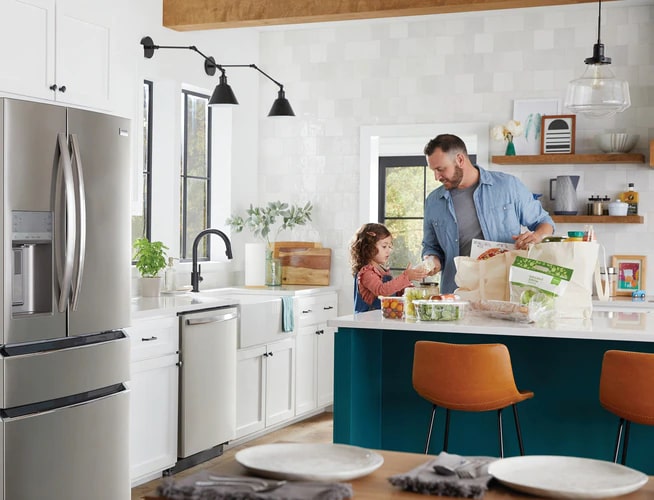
{"points": [[375, 405]]}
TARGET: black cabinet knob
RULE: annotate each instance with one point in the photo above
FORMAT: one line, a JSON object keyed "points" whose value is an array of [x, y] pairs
{"points": [[62, 89], [53, 87]]}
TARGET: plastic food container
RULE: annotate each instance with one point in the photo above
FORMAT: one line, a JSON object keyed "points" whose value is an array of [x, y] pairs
{"points": [[439, 310], [416, 293], [392, 307]]}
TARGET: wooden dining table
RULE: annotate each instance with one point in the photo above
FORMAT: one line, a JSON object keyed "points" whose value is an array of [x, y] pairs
{"points": [[375, 486]]}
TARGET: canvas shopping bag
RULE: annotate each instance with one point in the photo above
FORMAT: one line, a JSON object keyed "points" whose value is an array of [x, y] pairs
{"points": [[581, 256], [485, 279]]}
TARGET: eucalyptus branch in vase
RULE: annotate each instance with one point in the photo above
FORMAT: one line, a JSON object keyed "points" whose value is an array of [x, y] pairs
{"points": [[268, 221]]}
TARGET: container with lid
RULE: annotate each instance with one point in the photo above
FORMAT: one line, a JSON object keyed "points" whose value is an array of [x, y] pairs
{"points": [[422, 291], [392, 307], [440, 310], [575, 236]]}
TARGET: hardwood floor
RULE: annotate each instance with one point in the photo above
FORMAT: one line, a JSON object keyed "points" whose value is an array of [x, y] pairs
{"points": [[317, 429]]}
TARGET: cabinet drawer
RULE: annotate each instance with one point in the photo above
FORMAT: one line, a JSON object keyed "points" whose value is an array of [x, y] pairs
{"points": [[154, 337], [318, 309]]}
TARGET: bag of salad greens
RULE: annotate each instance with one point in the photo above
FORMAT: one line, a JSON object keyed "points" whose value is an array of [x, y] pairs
{"points": [[538, 285]]}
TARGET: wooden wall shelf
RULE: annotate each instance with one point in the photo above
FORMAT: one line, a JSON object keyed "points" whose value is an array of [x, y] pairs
{"points": [[599, 219], [568, 158]]}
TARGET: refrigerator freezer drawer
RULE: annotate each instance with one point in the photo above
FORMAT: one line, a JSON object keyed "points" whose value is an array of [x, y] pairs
{"points": [[47, 375], [77, 452]]}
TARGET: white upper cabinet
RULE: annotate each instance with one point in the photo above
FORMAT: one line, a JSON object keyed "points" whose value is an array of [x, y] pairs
{"points": [[59, 50]]}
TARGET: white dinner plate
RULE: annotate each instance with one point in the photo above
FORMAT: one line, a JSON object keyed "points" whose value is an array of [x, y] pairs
{"points": [[566, 477], [309, 461]]}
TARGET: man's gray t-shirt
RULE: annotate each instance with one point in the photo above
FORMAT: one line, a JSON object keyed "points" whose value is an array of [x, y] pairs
{"points": [[466, 218]]}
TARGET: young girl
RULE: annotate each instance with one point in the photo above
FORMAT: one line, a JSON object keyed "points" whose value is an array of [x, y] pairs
{"points": [[369, 252]]}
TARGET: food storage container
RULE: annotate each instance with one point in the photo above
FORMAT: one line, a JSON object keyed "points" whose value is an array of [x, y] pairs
{"points": [[439, 310], [412, 293], [392, 307], [618, 208]]}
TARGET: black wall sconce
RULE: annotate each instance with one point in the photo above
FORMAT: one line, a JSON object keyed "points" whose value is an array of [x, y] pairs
{"points": [[223, 93]]}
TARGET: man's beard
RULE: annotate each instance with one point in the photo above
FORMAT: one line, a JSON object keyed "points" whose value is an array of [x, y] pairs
{"points": [[456, 179]]}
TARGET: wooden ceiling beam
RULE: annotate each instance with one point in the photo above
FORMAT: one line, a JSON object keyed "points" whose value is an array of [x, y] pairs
{"points": [[192, 15]]}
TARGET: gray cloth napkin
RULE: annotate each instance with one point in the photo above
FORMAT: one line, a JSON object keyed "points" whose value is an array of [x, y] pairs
{"points": [[186, 489], [448, 475]]}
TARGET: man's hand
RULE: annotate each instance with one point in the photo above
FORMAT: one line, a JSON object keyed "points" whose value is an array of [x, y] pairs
{"points": [[432, 264]]}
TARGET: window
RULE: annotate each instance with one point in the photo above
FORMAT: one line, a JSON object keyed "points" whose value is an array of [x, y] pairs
{"points": [[195, 173], [404, 183], [141, 223]]}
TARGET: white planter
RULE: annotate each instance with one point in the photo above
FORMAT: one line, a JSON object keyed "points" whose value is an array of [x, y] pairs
{"points": [[150, 287], [255, 264]]}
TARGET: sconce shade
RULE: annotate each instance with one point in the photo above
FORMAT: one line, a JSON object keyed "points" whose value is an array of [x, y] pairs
{"points": [[223, 93], [281, 106], [597, 93]]}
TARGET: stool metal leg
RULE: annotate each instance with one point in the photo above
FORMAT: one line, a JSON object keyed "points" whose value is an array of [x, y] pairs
{"points": [[447, 428], [431, 425], [517, 428], [626, 441], [499, 430], [617, 441]]}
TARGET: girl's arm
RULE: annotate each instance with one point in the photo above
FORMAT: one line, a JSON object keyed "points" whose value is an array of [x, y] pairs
{"points": [[370, 281]]}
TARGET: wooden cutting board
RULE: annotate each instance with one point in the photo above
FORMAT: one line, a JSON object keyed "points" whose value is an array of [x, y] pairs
{"points": [[303, 263]]}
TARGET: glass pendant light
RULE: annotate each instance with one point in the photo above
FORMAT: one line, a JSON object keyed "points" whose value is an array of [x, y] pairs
{"points": [[598, 93]]}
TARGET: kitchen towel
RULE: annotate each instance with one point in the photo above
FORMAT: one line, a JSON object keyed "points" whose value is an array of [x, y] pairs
{"points": [[187, 489], [448, 475], [287, 313]]}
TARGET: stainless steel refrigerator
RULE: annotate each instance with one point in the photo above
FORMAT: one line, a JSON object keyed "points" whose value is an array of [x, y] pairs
{"points": [[64, 358]]}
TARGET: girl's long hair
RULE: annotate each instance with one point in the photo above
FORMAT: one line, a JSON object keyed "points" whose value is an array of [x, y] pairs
{"points": [[362, 247]]}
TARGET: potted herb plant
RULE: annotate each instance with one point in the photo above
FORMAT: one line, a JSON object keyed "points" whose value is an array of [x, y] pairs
{"points": [[266, 223], [150, 260]]}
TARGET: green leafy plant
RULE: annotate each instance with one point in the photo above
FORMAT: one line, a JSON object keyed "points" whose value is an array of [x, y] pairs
{"points": [[150, 257], [268, 221]]}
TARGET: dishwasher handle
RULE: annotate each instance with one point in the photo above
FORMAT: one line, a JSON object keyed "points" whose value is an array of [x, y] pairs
{"points": [[211, 319]]}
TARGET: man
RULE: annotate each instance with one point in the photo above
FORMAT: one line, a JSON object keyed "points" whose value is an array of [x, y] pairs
{"points": [[473, 203]]}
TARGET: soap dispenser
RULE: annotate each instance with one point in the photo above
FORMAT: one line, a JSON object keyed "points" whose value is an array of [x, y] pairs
{"points": [[170, 284]]}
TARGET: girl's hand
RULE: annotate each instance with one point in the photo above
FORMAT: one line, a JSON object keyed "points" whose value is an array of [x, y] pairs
{"points": [[415, 274]]}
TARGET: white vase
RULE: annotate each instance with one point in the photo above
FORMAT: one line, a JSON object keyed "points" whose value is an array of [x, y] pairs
{"points": [[255, 264], [150, 287]]}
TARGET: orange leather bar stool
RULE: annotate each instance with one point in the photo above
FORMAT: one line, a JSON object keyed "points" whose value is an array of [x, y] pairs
{"points": [[626, 391], [477, 377]]}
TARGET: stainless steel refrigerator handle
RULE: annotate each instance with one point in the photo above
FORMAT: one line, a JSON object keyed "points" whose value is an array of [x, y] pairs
{"points": [[80, 246], [64, 222], [211, 319]]}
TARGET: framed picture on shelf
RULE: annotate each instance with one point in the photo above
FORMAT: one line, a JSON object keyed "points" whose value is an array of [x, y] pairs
{"points": [[557, 134], [630, 273], [529, 112]]}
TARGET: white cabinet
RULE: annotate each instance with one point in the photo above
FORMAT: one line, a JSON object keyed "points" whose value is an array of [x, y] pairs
{"points": [[154, 395], [265, 392], [59, 50], [315, 352]]}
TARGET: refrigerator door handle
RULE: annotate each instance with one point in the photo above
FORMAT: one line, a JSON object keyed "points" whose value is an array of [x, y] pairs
{"points": [[80, 198], [65, 222]]}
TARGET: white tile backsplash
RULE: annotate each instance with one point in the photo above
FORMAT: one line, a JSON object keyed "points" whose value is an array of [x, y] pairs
{"points": [[449, 68]]}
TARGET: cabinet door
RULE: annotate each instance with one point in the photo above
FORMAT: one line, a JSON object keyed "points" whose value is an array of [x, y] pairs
{"points": [[280, 381], [250, 390], [82, 53], [153, 417], [305, 369], [325, 366], [27, 41]]}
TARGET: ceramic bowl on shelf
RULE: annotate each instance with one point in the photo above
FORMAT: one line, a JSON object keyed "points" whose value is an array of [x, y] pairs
{"points": [[618, 208], [616, 142]]}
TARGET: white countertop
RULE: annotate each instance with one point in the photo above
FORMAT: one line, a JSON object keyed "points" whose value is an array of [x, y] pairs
{"points": [[629, 325], [173, 303]]}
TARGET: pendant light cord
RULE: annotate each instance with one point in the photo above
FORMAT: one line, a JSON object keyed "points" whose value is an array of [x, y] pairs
{"points": [[599, 21]]}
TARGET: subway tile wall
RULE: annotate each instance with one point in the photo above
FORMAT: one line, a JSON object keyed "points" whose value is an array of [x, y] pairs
{"points": [[449, 69]]}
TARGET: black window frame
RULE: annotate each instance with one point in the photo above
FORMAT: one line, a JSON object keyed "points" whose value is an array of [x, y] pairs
{"points": [[185, 253]]}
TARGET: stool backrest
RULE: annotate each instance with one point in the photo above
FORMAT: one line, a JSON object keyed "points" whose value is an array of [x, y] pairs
{"points": [[476, 377], [626, 385]]}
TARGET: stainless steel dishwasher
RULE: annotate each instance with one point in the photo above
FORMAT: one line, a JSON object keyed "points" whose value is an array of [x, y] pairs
{"points": [[207, 384]]}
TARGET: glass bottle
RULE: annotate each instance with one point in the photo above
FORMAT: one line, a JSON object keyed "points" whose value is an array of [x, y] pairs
{"points": [[631, 198]]}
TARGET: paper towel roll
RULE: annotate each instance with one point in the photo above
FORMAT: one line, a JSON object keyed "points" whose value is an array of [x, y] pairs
{"points": [[255, 264]]}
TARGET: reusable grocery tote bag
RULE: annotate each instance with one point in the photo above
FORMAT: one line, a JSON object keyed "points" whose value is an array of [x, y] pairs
{"points": [[576, 301], [485, 279]]}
